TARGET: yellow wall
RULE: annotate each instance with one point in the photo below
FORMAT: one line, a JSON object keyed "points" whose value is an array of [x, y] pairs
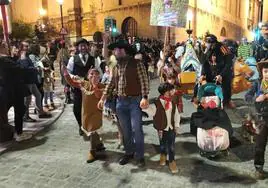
{"points": [[54, 8], [211, 15], [265, 11], [22, 10]]}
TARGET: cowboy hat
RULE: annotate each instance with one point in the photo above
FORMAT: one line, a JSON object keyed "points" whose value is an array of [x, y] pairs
{"points": [[81, 41], [123, 44]]}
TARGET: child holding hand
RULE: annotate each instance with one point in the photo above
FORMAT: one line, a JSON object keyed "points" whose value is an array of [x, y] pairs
{"points": [[166, 120]]}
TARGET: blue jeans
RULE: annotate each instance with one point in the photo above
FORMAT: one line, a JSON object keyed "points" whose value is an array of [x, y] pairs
{"points": [[130, 118], [167, 143]]}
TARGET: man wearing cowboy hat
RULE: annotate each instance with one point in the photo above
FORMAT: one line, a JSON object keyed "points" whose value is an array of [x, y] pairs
{"points": [[132, 85], [78, 66]]}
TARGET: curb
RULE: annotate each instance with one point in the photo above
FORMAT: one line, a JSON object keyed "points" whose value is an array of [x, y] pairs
{"points": [[37, 127]]}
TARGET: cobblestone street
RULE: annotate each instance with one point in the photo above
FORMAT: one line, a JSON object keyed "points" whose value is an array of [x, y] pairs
{"points": [[56, 157]]}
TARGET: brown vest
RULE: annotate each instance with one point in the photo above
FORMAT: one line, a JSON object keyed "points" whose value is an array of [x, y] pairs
{"points": [[160, 118], [133, 85]]}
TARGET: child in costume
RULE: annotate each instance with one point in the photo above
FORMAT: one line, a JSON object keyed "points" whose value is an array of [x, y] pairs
{"points": [[167, 122], [177, 98], [262, 109], [91, 115]]}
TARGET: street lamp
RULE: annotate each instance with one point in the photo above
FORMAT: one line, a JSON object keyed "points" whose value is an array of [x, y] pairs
{"points": [[61, 15], [42, 12], [189, 19]]}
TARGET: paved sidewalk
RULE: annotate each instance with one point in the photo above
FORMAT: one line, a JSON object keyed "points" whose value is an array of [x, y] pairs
{"points": [[42, 123]]}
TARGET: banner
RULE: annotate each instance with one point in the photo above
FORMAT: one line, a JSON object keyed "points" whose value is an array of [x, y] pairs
{"points": [[169, 13]]}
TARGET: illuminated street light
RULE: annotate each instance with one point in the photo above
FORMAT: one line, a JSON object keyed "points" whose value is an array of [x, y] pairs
{"points": [[60, 2], [189, 19], [189, 15], [42, 12]]}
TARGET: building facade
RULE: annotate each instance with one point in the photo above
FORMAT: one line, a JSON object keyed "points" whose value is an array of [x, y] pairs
{"points": [[226, 19]]}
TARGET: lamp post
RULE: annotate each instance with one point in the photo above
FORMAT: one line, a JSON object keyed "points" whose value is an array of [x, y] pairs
{"points": [[42, 13], [61, 15], [189, 20]]}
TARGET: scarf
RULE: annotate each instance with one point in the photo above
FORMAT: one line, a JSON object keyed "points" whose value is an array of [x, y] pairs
{"points": [[167, 101]]}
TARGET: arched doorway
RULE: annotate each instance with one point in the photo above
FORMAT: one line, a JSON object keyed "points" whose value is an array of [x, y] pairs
{"points": [[129, 27], [223, 32]]}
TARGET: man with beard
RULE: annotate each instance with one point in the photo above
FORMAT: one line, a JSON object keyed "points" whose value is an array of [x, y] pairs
{"points": [[78, 66], [132, 87]]}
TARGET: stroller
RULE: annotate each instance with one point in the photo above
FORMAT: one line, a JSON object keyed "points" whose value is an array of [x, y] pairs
{"points": [[210, 124]]}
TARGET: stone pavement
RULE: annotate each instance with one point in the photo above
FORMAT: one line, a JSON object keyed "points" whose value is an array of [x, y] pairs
{"points": [[56, 157]]}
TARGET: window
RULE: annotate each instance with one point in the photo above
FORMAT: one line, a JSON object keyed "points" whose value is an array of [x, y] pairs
{"points": [[119, 2]]}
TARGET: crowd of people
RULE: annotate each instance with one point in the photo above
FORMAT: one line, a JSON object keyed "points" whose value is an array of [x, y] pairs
{"points": [[115, 80]]}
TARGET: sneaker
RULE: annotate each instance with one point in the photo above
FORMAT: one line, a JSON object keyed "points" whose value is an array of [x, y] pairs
{"points": [[163, 159], [173, 167], [45, 115], [22, 137], [29, 119], [259, 174]]}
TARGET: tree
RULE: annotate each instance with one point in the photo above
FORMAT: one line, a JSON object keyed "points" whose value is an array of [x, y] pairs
{"points": [[20, 30]]}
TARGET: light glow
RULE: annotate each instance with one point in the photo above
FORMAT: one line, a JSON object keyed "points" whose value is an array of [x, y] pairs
{"points": [[42, 12], [189, 15], [60, 1]]}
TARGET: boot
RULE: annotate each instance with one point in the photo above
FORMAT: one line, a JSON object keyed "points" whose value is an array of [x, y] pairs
{"points": [[163, 159], [173, 167], [91, 157], [100, 147]]}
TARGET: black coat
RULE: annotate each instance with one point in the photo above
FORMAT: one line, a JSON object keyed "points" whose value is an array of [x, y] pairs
{"points": [[209, 118], [13, 76], [223, 59]]}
